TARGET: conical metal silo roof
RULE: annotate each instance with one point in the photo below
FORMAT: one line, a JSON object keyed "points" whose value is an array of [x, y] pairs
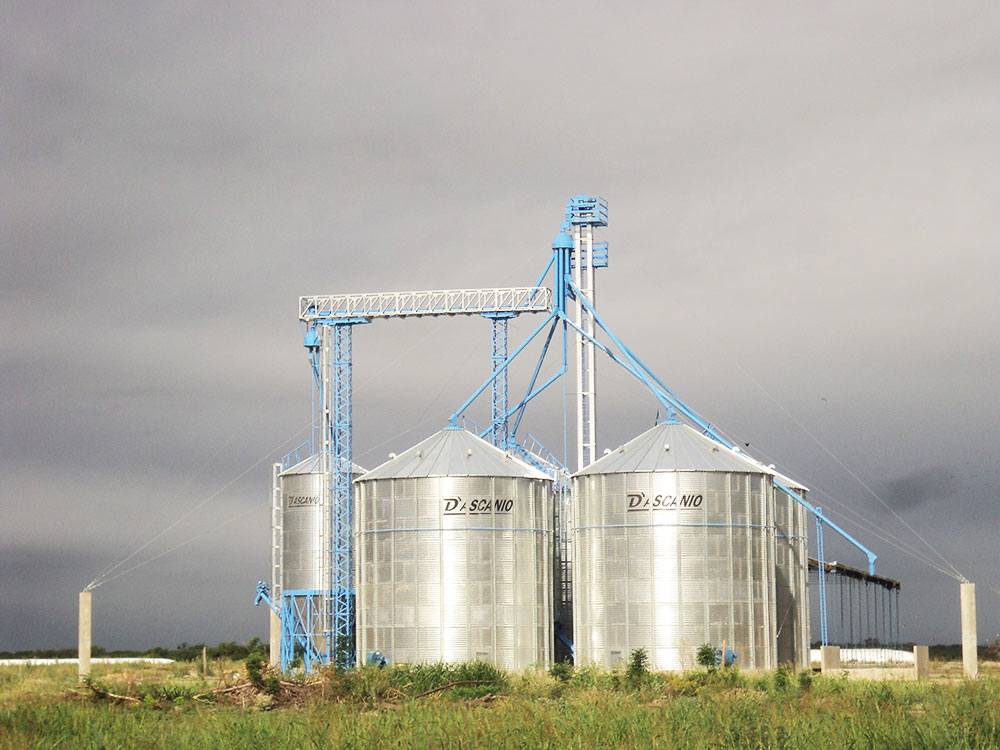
{"points": [[311, 465], [453, 452], [672, 446], [792, 484]]}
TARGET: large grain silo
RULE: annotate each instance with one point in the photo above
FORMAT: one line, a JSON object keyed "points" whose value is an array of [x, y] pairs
{"points": [[791, 576], [673, 539], [453, 556]]}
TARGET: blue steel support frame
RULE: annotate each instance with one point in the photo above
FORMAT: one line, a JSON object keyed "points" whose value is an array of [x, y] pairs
{"points": [[821, 560], [560, 263], [304, 633], [565, 289], [319, 624], [453, 419], [498, 424], [341, 598], [519, 409]]}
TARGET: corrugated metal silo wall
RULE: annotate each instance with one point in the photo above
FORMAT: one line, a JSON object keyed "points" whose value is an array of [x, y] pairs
{"points": [[666, 561], [455, 569], [791, 581], [305, 521]]}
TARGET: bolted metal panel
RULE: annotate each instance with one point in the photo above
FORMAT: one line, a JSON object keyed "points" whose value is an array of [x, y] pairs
{"points": [[455, 569], [305, 523], [668, 560]]}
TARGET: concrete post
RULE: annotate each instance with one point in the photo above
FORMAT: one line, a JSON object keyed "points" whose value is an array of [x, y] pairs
{"points": [[829, 659], [921, 662], [275, 641], [969, 641], [83, 633]]}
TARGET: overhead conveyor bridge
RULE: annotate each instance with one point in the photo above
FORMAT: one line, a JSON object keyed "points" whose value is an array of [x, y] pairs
{"points": [[525, 299]]}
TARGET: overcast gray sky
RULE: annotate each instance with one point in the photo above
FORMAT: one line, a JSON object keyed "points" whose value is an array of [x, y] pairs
{"points": [[803, 232]]}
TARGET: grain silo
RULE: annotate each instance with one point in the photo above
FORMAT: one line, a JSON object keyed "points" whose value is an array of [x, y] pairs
{"points": [[674, 547], [453, 556], [301, 550], [304, 525]]}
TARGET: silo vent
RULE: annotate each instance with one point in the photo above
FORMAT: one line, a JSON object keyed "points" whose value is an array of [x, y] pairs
{"points": [[392, 456], [468, 452], [666, 446]]}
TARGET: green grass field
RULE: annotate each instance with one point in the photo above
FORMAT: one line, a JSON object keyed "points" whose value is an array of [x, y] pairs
{"points": [[172, 706]]}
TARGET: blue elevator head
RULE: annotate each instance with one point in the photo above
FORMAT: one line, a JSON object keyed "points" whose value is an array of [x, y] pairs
{"points": [[563, 242]]}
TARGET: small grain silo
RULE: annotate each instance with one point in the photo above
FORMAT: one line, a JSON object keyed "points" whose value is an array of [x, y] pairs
{"points": [[301, 544], [304, 523], [674, 547], [791, 573], [453, 556]]}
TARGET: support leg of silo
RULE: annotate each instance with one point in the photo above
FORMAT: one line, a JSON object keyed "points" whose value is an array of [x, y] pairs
{"points": [[274, 649], [83, 643], [969, 640], [829, 659], [921, 662]]}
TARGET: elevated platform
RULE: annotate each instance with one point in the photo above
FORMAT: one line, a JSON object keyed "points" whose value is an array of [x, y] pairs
{"points": [[856, 573]]}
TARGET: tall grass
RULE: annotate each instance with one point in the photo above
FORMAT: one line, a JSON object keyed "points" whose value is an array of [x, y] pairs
{"points": [[372, 708]]}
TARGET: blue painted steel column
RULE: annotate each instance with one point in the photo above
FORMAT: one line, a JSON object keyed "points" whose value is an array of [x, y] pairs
{"points": [[498, 425], [320, 623], [341, 600], [821, 560], [562, 254]]}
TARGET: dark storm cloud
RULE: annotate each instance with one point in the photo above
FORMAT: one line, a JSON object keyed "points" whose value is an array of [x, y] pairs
{"points": [[39, 618], [802, 208], [919, 487]]}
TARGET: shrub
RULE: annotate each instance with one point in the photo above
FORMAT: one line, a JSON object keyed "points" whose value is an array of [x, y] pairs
{"points": [[255, 669], [805, 680], [638, 666], [562, 671], [258, 673], [991, 652], [781, 678], [706, 655]]}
